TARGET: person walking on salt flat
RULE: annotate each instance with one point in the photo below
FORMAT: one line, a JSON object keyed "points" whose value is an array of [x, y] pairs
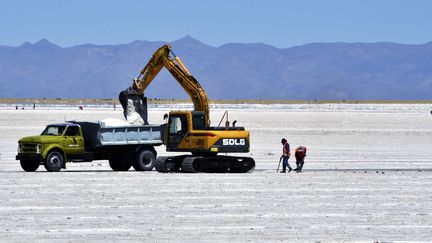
{"points": [[285, 155]]}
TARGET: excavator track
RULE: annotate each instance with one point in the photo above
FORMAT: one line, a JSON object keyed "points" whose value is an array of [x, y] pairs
{"points": [[169, 164], [188, 165], [160, 164], [210, 164]]}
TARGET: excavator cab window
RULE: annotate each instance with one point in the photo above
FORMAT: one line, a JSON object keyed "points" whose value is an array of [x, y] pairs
{"points": [[198, 121], [175, 125], [177, 129]]}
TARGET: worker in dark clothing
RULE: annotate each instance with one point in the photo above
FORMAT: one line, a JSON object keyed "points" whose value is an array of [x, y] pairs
{"points": [[285, 155], [300, 154]]}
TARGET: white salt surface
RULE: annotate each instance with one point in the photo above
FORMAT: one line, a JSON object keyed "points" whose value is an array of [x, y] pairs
{"points": [[367, 177]]}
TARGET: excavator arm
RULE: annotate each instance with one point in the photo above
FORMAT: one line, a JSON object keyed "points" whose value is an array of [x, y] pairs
{"points": [[164, 57]]}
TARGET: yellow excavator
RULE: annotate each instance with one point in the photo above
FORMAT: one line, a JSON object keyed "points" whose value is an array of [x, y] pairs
{"points": [[189, 131]]}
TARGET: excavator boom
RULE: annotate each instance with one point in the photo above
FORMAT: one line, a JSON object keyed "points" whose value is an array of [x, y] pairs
{"points": [[165, 57]]}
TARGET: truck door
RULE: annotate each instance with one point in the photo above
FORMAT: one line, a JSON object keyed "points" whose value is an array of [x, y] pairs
{"points": [[177, 130], [73, 142]]}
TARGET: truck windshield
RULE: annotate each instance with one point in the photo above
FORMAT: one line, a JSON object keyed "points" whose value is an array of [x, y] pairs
{"points": [[54, 130]]}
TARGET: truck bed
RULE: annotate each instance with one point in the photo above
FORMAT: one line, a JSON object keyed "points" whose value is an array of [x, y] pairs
{"points": [[96, 136], [147, 134]]}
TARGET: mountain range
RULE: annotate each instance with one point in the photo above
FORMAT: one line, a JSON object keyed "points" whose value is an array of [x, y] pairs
{"points": [[232, 71]]}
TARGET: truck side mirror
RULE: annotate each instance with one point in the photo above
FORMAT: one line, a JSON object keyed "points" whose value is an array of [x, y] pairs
{"points": [[165, 116]]}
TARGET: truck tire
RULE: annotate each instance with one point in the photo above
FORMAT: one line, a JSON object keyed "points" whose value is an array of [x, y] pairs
{"points": [[29, 165], [54, 161], [119, 165], [145, 161]]}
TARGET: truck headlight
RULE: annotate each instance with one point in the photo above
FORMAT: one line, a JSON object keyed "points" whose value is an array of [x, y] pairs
{"points": [[38, 148], [19, 147]]}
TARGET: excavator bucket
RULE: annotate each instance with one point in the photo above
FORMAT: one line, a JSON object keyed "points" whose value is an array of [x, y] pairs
{"points": [[134, 107]]}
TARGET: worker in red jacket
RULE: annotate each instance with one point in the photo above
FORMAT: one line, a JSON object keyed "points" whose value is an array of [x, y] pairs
{"points": [[285, 155], [300, 154]]}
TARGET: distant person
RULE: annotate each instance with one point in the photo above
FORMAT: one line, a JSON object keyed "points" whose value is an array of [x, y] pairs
{"points": [[16, 107], [80, 107], [300, 154], [285, 155], [34, 106]]}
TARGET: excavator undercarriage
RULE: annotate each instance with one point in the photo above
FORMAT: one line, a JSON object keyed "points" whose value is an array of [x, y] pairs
{"points": [[209, 164]]}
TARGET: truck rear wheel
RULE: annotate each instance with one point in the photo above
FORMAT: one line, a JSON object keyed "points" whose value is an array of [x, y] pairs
{"points": [[54, 161], [29, 165], [145, 161], [119, 165]]}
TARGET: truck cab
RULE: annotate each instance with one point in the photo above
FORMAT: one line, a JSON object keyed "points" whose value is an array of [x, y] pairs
{"points": [[57, 144]]}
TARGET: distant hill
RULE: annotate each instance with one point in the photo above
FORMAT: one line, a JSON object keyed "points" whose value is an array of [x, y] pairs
{"points": [[231, 71]]}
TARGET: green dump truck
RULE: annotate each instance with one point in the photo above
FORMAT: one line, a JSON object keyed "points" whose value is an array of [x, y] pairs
{"points": [[123, 147]]}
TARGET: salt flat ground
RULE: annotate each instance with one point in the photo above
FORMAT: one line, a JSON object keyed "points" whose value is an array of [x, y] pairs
{"points": [[368, 176]]}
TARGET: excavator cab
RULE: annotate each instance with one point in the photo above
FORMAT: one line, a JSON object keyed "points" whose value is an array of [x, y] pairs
{"points": [[185, 131]]}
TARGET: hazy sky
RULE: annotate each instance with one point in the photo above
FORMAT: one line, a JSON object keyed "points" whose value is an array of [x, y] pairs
{"points": [[279, 23]]}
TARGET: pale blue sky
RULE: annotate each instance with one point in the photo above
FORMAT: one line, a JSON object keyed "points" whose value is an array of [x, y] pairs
{"points": [[275, 22]]}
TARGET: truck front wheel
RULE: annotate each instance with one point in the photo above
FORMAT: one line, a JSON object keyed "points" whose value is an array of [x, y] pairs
{"points": [[29, 165], [54, 161], [145, 161]]}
